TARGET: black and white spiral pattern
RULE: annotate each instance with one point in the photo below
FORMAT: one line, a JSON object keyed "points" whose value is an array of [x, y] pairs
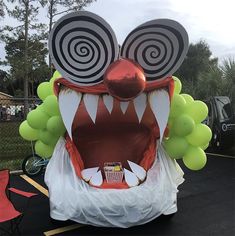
{"points": [[159, 46], [82, 45]]}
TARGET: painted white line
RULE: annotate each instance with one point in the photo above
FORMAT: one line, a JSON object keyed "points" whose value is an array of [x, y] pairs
{"points": [[35, 184], [62, 229], [45, 192], [219, 155]]}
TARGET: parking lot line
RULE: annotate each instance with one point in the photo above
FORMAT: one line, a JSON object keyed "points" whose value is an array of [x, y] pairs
{"points": [[219, 155], [45, 192], [62, 229], [35, 184]]}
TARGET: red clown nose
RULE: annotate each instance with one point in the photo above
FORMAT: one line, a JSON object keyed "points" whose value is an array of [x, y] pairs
{"points": [[124, 79]]}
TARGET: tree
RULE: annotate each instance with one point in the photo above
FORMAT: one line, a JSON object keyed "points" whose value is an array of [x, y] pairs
{"points": [[198, 62], [1, 8], [228, 78], [3, 81], [25, 12], [209, 83], [37, 68], [54, 10]]}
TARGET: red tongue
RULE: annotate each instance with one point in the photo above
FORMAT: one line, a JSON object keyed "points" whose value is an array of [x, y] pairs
{"points": [[98, 144]]}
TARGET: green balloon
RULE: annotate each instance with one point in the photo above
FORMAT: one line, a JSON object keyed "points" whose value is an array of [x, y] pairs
{"points": [[178, 85], [189, 99], [178, 105], [43, 150], [198, 110], [37, 119], [55, 125], [48, 138], [175, 147], [170, 124], [200, 136], [204, 147], [194, 158], [51, 105], [44, 89], [40, 107], [27, 132], [56, 74], [52, 80], [183, 125]]}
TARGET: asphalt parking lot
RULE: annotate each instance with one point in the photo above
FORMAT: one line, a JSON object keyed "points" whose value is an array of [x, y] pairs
{"points": [[206, 206]]}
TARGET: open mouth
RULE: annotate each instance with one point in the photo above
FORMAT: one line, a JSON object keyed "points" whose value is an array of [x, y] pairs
{"points": [[102, 129]]}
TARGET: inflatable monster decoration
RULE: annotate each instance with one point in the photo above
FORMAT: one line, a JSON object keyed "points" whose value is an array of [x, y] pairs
{"points": [[114, 121]]}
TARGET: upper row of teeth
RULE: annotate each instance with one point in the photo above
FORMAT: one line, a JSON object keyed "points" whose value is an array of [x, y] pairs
{"points": [[132, 178], [159, 101]]}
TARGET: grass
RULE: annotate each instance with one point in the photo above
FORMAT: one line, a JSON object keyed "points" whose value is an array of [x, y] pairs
{"points": [[14, 164], [13, 148]]}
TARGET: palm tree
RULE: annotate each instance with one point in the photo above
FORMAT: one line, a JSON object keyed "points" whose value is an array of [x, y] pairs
{"points": [[228, 78], [209, 83]]}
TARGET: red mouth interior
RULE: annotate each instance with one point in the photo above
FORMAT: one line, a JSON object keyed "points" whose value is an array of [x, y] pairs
{"points": [[115, 137], [122, 142]]}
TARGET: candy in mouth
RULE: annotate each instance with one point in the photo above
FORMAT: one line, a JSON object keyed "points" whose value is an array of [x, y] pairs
{"points": [[103, 129]]}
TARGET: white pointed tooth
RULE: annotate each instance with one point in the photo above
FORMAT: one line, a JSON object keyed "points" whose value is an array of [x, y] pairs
{"points": [[160, 104], [96, 179], [69, 101], [140, 104], [139, 171], [130, 178], [91, 104], [108, 102], [87, 173], [124, 106]]}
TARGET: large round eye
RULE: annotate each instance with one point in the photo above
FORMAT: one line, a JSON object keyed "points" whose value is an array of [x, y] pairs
{"points": [[82, 45], [159, 46]]}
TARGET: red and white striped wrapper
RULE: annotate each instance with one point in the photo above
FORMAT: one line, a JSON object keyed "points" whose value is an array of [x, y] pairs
{"points": [[114, 176]]}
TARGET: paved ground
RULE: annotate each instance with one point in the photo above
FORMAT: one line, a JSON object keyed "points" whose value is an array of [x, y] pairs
{"points": [[206, 206]]}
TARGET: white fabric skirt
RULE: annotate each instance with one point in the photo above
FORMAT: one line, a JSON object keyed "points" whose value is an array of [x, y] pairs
{"points": [[73, 199]]}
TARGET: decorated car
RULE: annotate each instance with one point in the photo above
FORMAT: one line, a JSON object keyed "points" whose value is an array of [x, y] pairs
{"points": [[114, 122]]}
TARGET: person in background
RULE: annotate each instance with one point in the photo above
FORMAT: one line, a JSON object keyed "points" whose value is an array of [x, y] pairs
{"points": [[0, 111], [8, 113]]}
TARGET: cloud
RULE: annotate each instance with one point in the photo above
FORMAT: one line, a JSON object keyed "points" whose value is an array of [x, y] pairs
{"points": [[210, 20]]}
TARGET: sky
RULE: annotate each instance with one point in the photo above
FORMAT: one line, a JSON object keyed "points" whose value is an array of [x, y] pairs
{"points": [[209, 20]]}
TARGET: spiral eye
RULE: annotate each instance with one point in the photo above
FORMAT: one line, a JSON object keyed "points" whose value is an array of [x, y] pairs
{"points": [[159, 46], [82, 45]]}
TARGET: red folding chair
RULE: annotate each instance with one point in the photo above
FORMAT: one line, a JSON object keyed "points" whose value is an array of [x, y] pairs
{"points": [[8, 213]]}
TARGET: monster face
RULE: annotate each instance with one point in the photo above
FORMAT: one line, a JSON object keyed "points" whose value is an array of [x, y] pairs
{"points": [[115, 102]]}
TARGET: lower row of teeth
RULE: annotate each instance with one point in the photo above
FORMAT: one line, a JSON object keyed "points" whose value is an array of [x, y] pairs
{"points": [[115, 174]]}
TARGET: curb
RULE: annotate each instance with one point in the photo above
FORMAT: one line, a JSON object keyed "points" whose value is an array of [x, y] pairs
{"points": [[16, 172]]}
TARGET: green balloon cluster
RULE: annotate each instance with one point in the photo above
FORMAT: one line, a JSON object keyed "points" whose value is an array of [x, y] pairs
{"points": [[44, 124], [187, 136]]}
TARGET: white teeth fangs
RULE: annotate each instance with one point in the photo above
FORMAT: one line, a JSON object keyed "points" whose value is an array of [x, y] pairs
{"points": [[124, 106], [160, 104], [108, 102], [87, 173], [131, 178], [139, 171], [96, 179], [91, 104], [140, 104], [69, 101]]}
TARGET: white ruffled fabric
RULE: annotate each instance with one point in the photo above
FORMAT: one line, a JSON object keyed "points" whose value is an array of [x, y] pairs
{"points": [[72, 198]]}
